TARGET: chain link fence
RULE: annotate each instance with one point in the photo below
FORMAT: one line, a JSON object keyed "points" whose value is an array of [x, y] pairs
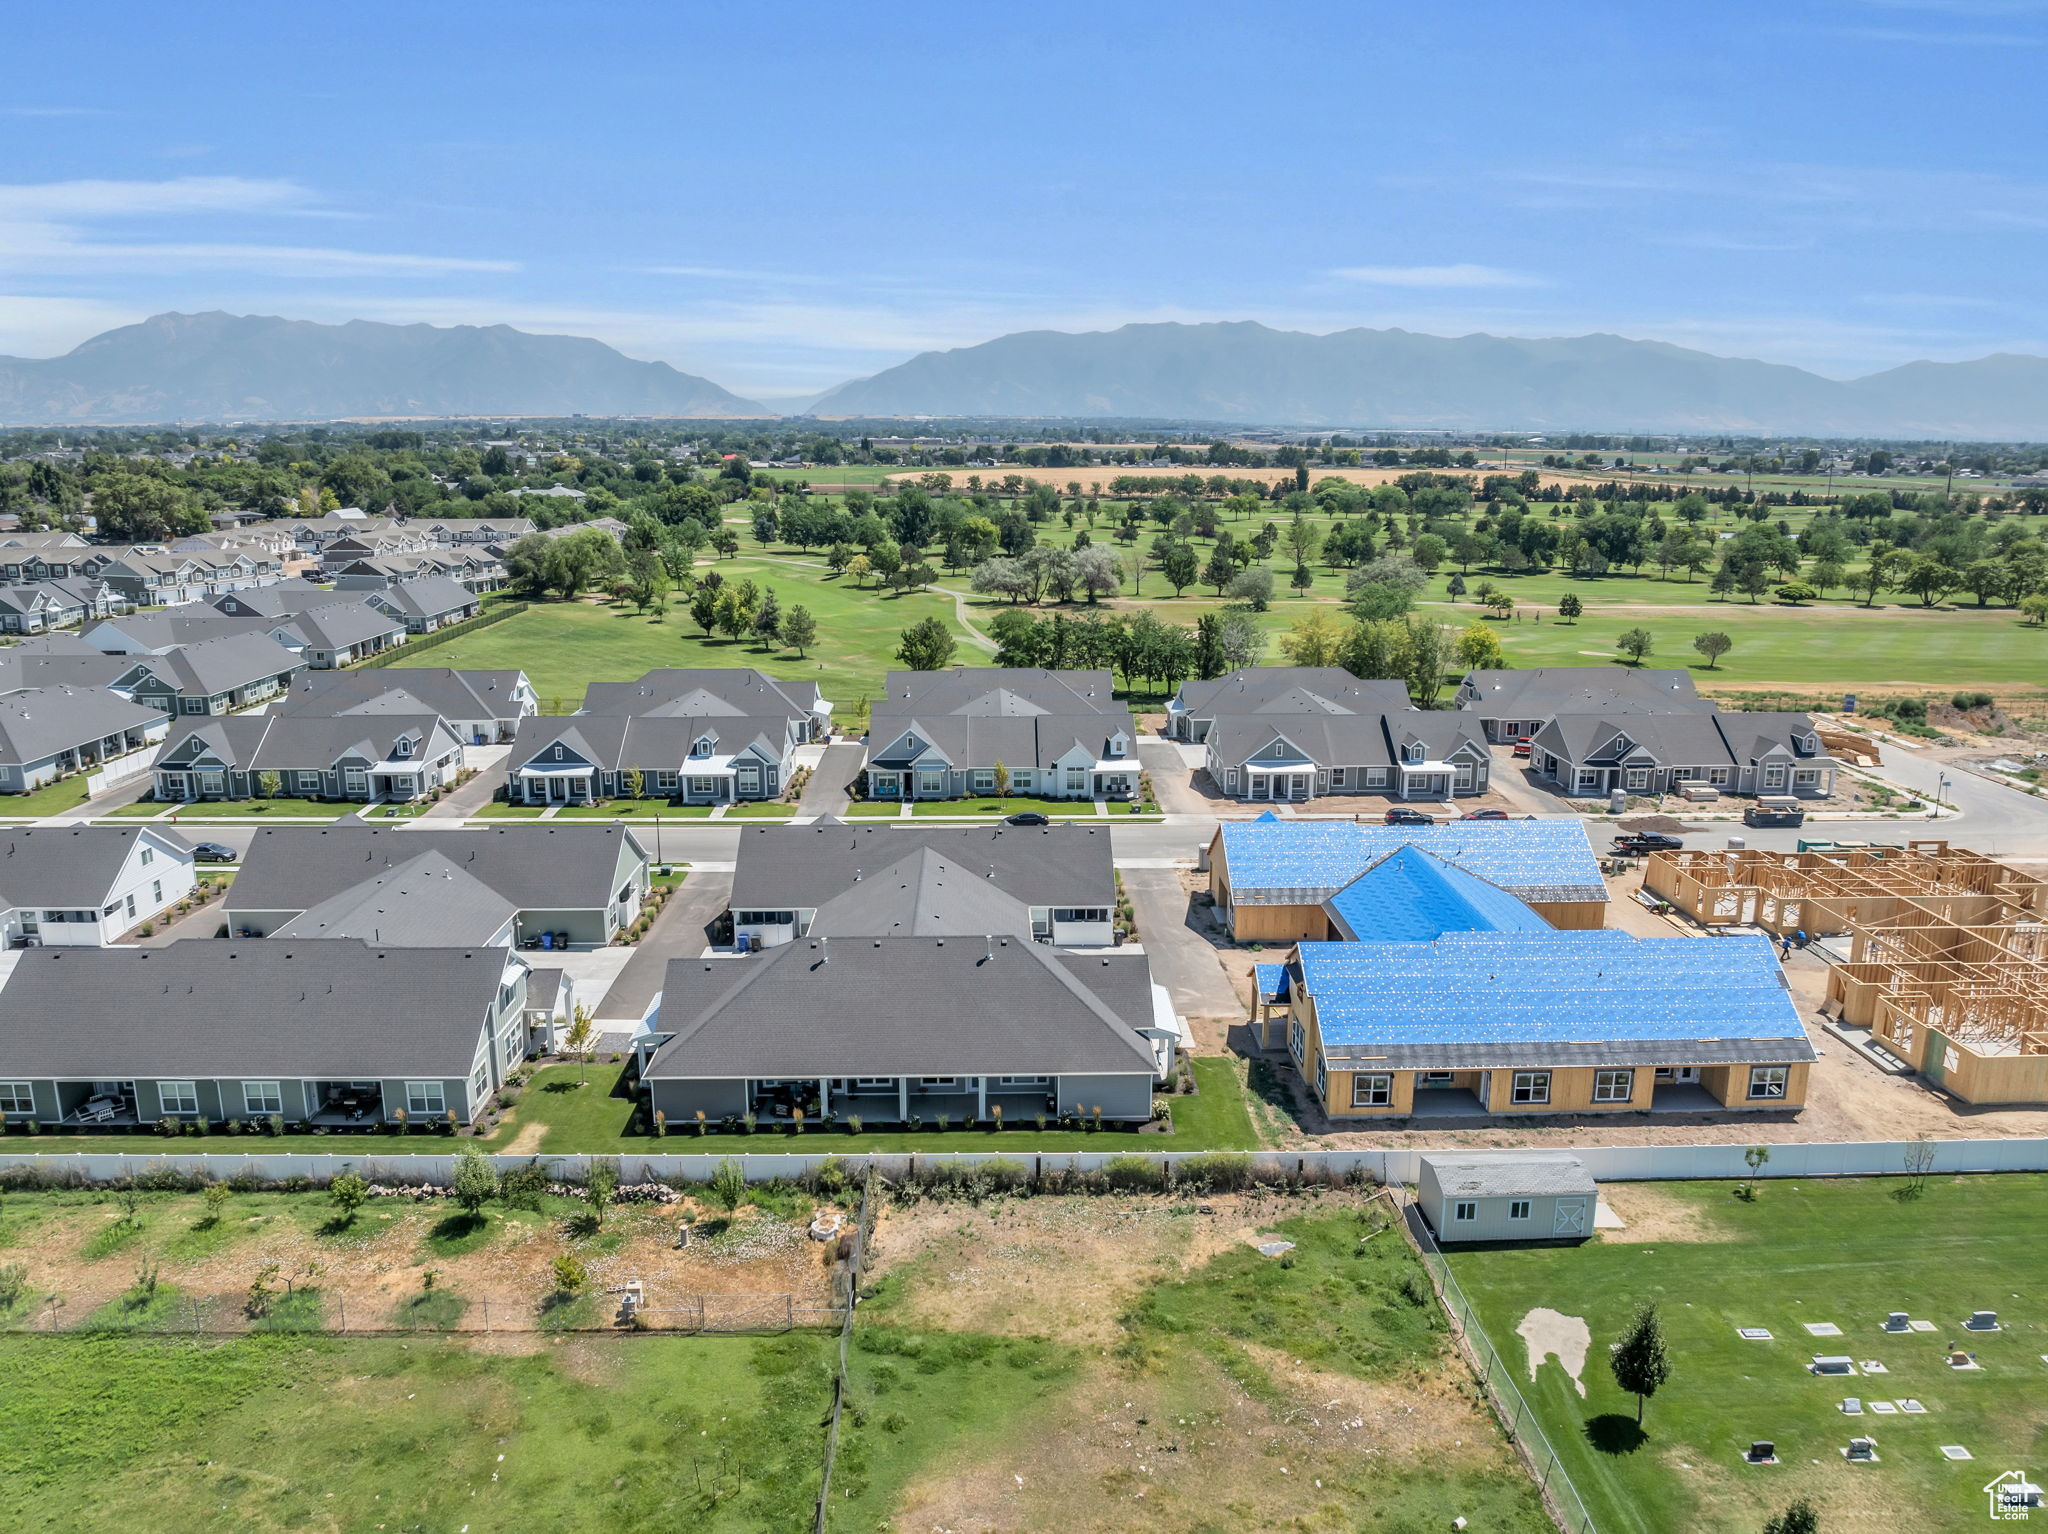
{"points": [[1560, 1496]]}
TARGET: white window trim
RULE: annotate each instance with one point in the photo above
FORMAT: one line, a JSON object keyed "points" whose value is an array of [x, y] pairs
{"points": [[1775, 1080], [17, 1097], [1372, 1089], [1604, 1092], [1465, 1209], [269, 1099], [425, 1097], [1519, 1208], [1537, 1082], [187, 1098]]}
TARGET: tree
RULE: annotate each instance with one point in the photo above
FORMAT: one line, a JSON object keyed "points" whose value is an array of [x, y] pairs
{"points": [[137, 508], [1753, 579], [1384, 588], [1243, 641], [1426, 655], [600, 1182], [926, 645], [347, 1191], [1641, 1364], [1253, 587], [1479, 649], [860, 567], [704, 608], [1985, 579], [1181, 565], [270, 784], [2035, 608], [1096, 572], [1798, 1518], [1928, 577], [1569, 606], [1876, 574], [1794, 592], [728, 1185], [799, 629], [1221, 567], [1314, 640], [768, 621], [581, 1036], [1636, 644], [475, 1184], [1002, 777], [1713, 644]]}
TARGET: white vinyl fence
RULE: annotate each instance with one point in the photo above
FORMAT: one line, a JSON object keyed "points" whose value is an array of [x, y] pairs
{"points": [[123, 769], [1607, 1163]]}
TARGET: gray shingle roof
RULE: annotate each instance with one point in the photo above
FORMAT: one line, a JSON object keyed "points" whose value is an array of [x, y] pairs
{"points": [[617, 742], [303, 742], [1346, 740], [208, 1007], [337, 625], [1291, 689], [425, 902], [1546, 691], [731, 691], [785, 867], [190, 624], [1511, 1175], [905, 1006], [428, 597], [431, 689], [70, 867], [37, 724], [219, 665], [294, 868], [997, 689]]}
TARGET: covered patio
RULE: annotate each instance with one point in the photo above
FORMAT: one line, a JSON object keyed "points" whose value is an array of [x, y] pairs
{"points": [[896, 1100]]}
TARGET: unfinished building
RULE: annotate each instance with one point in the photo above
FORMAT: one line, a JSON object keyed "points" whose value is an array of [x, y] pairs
{"points": [[1947, 962]]}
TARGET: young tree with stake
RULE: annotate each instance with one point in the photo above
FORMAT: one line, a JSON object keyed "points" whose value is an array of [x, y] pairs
{"points": [[1641, 1363]]}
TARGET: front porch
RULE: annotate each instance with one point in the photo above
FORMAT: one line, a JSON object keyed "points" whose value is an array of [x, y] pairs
{"points": [[903, 1100]]}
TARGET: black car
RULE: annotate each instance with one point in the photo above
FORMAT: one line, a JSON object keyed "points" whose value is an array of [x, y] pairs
{"points": [[1026, 818], [1406, 817], [1642, 842], [214, 852]]}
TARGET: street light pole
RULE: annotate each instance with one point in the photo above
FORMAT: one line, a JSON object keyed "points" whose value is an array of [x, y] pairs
{"points": [[1940, 793]]}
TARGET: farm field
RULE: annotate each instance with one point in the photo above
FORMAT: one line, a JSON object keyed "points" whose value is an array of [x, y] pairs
{"points": [[1844, 1253]]}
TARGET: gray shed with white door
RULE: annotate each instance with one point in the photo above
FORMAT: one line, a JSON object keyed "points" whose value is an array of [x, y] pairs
{"points": [[1512, 1196]]}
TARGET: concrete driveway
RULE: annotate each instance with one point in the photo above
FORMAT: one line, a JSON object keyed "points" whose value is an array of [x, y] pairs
{"points": [[1182, 959], [489, 762], [678, 933], [1172, 779], [825, 793]]}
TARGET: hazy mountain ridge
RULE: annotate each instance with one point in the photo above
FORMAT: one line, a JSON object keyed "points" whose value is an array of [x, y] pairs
{"points": [[1246, 372], [215, 366]]}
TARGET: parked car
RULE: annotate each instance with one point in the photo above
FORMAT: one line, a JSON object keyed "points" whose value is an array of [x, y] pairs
{"points": [[1640, 843], [1484, 815], [1400, 816], [1523, 745], [1026, 818], [214, 852]]}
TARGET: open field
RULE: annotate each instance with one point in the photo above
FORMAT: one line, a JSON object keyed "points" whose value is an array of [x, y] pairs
{"points": [[1845, 1253]]}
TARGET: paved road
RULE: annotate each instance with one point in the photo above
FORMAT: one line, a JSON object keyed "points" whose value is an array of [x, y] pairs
{"points": [[1182, 959], [825, 793], [678, 933]]}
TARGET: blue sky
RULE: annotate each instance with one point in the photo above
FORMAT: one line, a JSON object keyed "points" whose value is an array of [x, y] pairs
{"points": [[782, 196]]}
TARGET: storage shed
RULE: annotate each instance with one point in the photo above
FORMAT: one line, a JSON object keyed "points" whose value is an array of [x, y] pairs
{"points": [[1515, 1197]]}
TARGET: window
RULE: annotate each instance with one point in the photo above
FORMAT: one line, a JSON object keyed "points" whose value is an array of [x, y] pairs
{"points": [[1077, 780], [480, 1082], [156, 892], [1613, 1086], [1374, 1091], [1518, 1208], [354, 780], [1718, 776], [177, 1096], [15, 1097], [665, 782], [1465, 1209], [262, 1097], [764, 918], [1322, 1080], [148, 857], [1023, 1081], [1297, 1039], [212, 782], [874, 1084], [425, 1098], [1531, 1087], [1768, 1080], [1080, 913], [1337, 776], [984, 779], [703, 785], [938, 1081], [1464, 777], [1639, 777], [1806, 777], [1437, 1078], [309, 782], [1588, 778], [1375, 777]]}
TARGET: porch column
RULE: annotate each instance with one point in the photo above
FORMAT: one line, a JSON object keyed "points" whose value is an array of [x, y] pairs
{"points": [[824, 1097], [981, 1097], [903, 1099]]}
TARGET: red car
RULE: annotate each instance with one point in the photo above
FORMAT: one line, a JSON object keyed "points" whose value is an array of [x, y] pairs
{"points": [[1484, 815], [1522, 745]]}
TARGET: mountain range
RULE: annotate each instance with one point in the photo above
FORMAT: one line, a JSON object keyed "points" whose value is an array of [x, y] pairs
{"points": [[215, 367], [1241, 371]]}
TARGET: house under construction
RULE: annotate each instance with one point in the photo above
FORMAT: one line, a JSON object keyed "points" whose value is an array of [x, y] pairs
{"points": [[1948, 949]]}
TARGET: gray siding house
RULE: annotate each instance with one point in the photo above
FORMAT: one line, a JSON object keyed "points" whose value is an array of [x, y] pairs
{"points": [[84, 886], [330, 1032], [1510, 1196], [374, 759], [1409, 755], [902, 1030], [479, 706], [1057, 734], [46, 732], [1277, 691]]}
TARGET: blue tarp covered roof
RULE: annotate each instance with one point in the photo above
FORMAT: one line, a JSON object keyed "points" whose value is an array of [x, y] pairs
{"points": [[1271, 980], [1557, 987], [1413, 896], [1536, 859]]}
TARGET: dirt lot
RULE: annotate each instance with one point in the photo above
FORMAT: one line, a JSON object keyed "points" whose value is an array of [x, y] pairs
{"points": [[88, 1254]]}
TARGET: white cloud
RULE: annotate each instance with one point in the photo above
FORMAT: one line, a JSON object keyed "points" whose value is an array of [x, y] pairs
{"points": [[88, 200], [1463, 274]]}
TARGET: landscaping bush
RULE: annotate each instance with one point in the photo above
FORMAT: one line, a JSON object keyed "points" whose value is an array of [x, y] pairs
{"points": [[1134, 1174]]}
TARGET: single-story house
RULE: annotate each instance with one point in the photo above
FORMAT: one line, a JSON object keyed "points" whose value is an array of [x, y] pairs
{"points": [[1735, 752], [895, 1030], [214, 676], [46, 732], [427, 604], [162, 630], [1278, 690], [1511, 704], [459, 530], [371, 758], [278, 601], [344, 631], [83, 886], [1507, 1196], [479, 706], [587, 882], [581, 758], [58, 604], [1055, 884], [1409, 755], [723, 692], [1057, 734], [1280, 880], [1507, 1023], [331, 1031]]}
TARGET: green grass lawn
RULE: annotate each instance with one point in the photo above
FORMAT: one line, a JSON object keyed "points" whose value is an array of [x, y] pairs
{"points": [[760, 811], [565, 646], [632, 809], [258, 809], [288, 1432], [51, 799], [1846, 1252]]}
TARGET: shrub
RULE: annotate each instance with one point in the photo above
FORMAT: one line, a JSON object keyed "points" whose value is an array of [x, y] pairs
{"points": [[524, 1186], [1213, 1174], [1971, 700], [13, 1283], [728, 1185], [660, 1124], [853, 1123], [348, 1192], [217, 1195], [1133, 1174], [571, 1277]]}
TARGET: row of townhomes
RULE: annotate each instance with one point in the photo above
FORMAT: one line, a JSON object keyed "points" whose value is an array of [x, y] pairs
{"points": [[863, 977], [1055, 734], [1455, 972], [1298, 732], [707, 736], [374, 976]]}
